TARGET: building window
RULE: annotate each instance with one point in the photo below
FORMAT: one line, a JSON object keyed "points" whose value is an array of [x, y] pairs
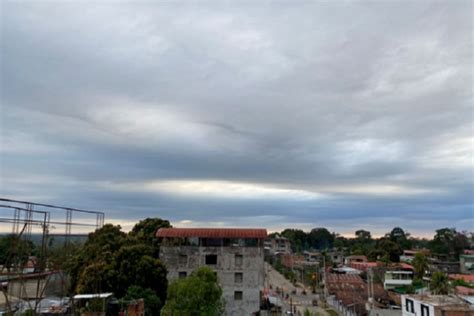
{"points": [[183, 260], [211, 259], [425, 310], [238, 295], [238, 277], [182, 274], [409, 306], [251, 242], [239, 260], [212, 242]]}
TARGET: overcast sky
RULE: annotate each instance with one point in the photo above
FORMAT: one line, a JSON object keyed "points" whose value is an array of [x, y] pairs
{"points": [[338, 114]]}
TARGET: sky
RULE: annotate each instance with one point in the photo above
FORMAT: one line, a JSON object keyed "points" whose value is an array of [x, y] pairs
{"points": [[339, 114]]}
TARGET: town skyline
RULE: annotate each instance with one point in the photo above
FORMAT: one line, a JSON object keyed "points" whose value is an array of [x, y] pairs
{"points": [[343, 115]]}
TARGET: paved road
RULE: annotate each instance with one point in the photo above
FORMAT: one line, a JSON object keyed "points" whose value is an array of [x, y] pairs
{"points": [[274, 279]]}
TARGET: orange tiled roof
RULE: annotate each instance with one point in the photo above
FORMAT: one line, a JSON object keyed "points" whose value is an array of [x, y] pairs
{"points": [[469, 278], [212, 232]]}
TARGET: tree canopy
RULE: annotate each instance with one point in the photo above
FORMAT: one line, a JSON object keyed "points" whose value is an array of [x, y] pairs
{"points": [[197, 294], [113, 261]]}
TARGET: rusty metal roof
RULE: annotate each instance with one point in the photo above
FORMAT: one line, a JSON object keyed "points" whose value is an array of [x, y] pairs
{"points": [[212, 232]]}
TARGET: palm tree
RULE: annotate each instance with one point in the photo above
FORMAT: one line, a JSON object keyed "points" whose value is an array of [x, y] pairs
{"points": [[420, 264], [439, 283]]}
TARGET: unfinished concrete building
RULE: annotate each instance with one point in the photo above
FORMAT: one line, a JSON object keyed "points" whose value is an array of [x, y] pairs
{"points": [[235, 254]]}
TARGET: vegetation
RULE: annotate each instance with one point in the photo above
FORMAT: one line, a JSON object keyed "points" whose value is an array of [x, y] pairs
{"points": [[125, 264], [197, 294], [153, 303], [446, 242], [420, 264], [439, 283], [449, 242], [12, 247]]}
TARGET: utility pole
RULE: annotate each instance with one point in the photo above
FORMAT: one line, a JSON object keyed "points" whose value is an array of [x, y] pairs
{"points": [[324, 278]]}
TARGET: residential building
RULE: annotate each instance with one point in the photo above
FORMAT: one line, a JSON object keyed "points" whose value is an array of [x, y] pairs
{"points": [[349, 294], [236, 255], [355, 258], [277, 245], [468, 278], [466, 264], [408, 255], [435, 305], [398, 276], [337, 257], [313, 256], [442, 263]]}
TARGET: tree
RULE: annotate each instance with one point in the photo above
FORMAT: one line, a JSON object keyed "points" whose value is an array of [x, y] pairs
{"points": [[96, 277], [198, 294], [111, 260], [449, 242], [363, 235], [145, 232], [135, 265], [298, 239], [439, 283], [153, 303], [321, 238], [399, 236], [14, 248], [420, 264], [388, 249]]}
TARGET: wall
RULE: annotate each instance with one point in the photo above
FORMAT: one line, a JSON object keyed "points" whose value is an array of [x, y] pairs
{"points": [[416, 306], [252, 268]]}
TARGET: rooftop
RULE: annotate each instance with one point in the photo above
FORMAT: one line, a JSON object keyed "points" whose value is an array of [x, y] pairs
{"points": [[212, 232], [439, 300], [469, 278]]}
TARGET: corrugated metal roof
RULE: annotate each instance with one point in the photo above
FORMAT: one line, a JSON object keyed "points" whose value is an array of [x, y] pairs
{"points": [[212, 232]]}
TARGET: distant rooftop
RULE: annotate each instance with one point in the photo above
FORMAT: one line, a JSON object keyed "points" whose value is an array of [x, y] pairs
{"points": [[469, 278], [212, 232], [439, 300]]}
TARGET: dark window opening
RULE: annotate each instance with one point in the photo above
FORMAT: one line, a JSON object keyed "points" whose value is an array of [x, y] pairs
{"points": [[238, 277], [425, 310], [183, 274], [238, 295], [409, 306], [239, 260], [211, 259], [183, 259], [212, 242]]}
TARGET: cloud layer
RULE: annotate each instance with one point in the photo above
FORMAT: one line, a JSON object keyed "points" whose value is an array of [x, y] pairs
{"points": [[340, 114]]}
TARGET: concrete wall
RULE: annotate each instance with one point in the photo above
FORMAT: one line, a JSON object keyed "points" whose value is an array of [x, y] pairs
{"points": [[416, 307], [188, 258]]}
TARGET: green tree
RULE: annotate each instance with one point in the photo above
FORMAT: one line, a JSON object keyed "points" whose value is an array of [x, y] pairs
{"points": [[198, 294], [15, 251], [153, 304], [135, 265], [145, 232], [320, 238], [363, 236], [389, 249], [96, 277], [420, 264], [298, 239], [439, 283], [399, 236], [449, 242]]}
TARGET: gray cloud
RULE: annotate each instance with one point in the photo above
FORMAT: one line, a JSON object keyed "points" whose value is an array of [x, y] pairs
{"points": [[344, 114]]}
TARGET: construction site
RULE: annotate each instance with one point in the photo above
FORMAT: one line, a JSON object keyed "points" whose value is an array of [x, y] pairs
{"points": [[31, 282]]}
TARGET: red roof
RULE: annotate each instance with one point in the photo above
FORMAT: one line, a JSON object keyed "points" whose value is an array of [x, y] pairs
{"points": [[469, 278], [212, 232], [462, 290]]}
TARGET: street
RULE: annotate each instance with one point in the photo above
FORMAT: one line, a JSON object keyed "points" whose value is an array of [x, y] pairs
{"points": [[274, 279]]}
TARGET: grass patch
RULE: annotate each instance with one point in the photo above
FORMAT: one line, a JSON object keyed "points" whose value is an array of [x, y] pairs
{"points": [[332, 312]]}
